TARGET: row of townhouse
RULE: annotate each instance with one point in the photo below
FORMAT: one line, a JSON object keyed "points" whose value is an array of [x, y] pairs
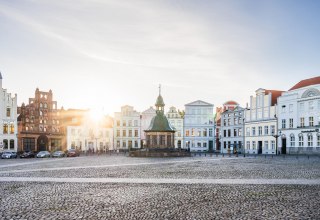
{"points": [[194, 128], [275, 122]]}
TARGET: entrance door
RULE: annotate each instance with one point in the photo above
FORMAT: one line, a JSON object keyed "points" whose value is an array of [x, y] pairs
{"points": [[210, 146], [42, 142], [284, 146], [259, 147]]}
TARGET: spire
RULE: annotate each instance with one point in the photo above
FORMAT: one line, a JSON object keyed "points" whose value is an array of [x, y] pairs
{"points": [[160, 89], [159, 102]]}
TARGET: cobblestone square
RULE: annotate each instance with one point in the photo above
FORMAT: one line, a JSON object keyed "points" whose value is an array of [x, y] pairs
{"points": [[119, 187]]}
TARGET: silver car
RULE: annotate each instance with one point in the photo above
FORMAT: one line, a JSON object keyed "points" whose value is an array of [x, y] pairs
{"points": [[8, 155], [58, 153], [43, 154]]}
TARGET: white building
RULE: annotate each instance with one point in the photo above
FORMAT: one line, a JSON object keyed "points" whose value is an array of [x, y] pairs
{"points": [[8, 115], [199, 126], [85, 134], [232, 126], [299, 118], [176, 120], [146, 118], [126, 128], [261, 122]]}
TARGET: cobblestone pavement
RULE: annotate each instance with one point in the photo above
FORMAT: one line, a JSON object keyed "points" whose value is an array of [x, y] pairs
{"points": [[171, 188]]}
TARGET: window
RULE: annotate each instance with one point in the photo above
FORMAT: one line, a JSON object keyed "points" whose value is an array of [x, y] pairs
{"points": [[253, 131], [135, 123], [224, 122], [118, 123], [229, 123], [192, 132], [210, 132], [124, 133], [283, 124], [5, 144], [136, 144], [301, 107], [187, 133], [272, 129], [292, 140], [130, 144], [234, 132], [8, 112], [204, 132], [224, 133], [224, 145], [199, 144], [124, 144], [204, 144], [199, 133], [253, 145], [290, 122], [124, 123], [310, 140], [229, 133], [240, 132], [318, 139], [136, 133], [235, 121], [118, 133], [273, 145], [311, 121], [311, 107], [130, 123], [266, 130], [266, 145], [248, 131], [11, 128], [130, 134], [300, 140], [301, 122], [248, 145], [260, 130], [291, 108], [5, 128]]}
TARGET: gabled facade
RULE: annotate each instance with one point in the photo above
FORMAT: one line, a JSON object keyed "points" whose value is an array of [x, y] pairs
{"points": [[176, 120], [199, 126], [299, 118], [261, 123], [8, 115], [146, 118], [232, 126], [127, 128], [40, 124]]}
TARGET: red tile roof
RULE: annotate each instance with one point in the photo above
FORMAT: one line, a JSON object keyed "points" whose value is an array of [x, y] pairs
{"points": [[275, 94], [306, 82], [231, 103]]}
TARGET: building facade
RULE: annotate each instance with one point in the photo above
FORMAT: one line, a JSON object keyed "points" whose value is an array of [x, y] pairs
{"points": [[176, 120], [8, 114], [146, 118], [232, 126], [299, 118], [39, 124], [261, 123], [199, 126], [126, 129]]}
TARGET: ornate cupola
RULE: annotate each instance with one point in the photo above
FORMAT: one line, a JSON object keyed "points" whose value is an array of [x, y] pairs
{"points": [[160, 104]]}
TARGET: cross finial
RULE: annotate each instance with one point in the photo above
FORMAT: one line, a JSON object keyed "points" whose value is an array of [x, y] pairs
{"points": [[159, 89]]}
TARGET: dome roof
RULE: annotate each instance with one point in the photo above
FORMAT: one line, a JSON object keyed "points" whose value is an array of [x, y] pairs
{"points": [[160, 101], [160, 123]]}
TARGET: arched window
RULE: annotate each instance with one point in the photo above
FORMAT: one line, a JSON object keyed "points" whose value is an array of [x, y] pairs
{"points": [[310, 140], [292, 140], [11, 128], [41, 105], [318, 139], [300, 140], [5, 129]]}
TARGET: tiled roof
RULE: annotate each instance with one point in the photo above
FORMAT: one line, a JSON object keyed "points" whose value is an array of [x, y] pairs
{"points": [[275, 95], [306, 82], [231, 103]]}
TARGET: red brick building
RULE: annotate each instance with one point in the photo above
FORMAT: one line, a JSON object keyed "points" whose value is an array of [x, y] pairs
{"points": [[39, 124]]}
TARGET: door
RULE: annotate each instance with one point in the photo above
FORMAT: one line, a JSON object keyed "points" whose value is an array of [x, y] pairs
{"points": [[259, 147], [210, 146], [284, 146]]}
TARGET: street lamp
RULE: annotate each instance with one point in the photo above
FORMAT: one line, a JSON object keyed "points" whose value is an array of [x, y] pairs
{"points": [[276, 136]]}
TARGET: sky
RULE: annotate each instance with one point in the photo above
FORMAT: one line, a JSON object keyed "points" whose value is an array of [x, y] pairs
{"points": [[103, 54]]}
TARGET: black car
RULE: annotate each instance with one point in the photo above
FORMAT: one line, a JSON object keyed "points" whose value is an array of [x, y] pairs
{"points": [[27, 154], [73, 153]]}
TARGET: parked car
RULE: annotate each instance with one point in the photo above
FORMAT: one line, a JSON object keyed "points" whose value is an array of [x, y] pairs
{"points": [[73, 153], [27, 154], [43, 154], [8, 155], [58, 153]]}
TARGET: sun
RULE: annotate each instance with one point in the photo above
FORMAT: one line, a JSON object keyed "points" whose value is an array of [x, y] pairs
{"points": [[96, 115]]}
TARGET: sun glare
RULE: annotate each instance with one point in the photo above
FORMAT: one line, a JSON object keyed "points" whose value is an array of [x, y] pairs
{"points": [[96, 115]]}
